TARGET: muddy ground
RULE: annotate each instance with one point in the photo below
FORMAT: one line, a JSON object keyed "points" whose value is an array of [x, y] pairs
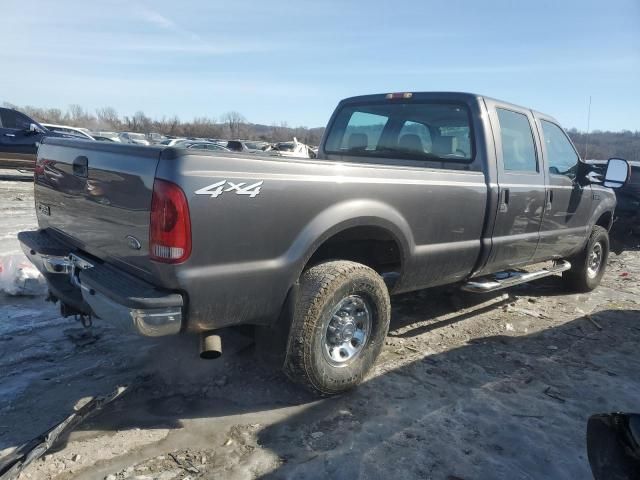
{"points": [[467, 387]]}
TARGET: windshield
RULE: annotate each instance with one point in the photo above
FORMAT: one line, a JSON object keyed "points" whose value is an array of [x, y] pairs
{"points": [[137, 136], [414, 130], [285, 147]]}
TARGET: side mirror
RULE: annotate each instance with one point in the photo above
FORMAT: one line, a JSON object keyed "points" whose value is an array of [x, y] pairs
{"points": [[617, 173], [34, 128]]}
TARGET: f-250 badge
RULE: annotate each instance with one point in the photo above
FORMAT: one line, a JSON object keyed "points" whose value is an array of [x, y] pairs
{"points": [[218, 188]]}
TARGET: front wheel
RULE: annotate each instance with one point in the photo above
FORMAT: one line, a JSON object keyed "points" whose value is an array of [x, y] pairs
{"points": [[588, 266], [340, 321]]}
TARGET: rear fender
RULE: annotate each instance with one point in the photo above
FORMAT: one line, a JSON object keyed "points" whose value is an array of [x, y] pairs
{"points": [[345, 215]]}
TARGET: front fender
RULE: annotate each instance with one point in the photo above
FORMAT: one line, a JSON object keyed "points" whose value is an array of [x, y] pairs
{"points": [[604, 200]]}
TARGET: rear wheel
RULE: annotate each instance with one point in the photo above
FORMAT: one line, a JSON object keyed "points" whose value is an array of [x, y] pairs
{"points": [[340, 321], [588, 266]]}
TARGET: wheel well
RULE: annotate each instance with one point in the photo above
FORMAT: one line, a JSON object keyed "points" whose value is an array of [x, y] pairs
{"points": [[605, 220], [375, 247]]}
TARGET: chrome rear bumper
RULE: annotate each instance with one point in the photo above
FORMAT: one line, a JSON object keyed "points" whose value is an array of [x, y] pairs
{"points": [[105, 291]]}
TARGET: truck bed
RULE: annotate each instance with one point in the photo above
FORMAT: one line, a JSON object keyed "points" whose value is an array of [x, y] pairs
{"points": [[255, 220]]}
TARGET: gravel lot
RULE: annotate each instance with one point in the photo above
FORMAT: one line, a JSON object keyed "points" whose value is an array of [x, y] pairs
{"points": [[468, 387]]}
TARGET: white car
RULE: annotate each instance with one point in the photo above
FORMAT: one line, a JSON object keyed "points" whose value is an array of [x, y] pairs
{"points": [[135, 138], [78, 132], [292, 149], [113, 136], [170, 142]]}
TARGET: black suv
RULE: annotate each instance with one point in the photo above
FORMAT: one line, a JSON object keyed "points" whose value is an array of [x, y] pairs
{"points": [[20, 137]]}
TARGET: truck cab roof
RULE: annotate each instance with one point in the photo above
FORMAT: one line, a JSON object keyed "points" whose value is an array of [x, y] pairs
{"points": [[465, 97]]}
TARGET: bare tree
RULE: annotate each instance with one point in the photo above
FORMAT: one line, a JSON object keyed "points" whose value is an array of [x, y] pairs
{"points": [[143, 122], [172, 126], [234, 122], [79, 117], [108, 118], [52, 115], [233, 125]]}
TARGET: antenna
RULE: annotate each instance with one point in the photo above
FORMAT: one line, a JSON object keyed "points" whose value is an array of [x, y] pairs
{"points": [[586, 137]]}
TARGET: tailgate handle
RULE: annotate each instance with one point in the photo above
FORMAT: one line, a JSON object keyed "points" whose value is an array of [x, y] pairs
{"points": [[81, 166]]}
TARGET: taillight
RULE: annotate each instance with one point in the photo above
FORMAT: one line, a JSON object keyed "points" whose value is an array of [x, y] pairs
{"points": [[170, 230]]}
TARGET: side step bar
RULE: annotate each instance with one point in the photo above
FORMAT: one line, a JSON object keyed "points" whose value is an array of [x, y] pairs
{"points": [[509, 279]]}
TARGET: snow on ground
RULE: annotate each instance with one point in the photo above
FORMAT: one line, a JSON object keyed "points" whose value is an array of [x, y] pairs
{"points": [[467, 387], [16, 213]]}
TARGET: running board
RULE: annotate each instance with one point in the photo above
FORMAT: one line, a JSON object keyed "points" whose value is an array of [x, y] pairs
{"points": [[508, 279]]}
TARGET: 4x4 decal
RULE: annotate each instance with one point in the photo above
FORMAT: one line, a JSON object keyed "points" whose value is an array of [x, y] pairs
{"points": [[218, 188]]}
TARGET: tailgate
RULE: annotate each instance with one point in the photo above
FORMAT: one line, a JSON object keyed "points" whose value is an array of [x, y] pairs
{"points": [[98, 195]]}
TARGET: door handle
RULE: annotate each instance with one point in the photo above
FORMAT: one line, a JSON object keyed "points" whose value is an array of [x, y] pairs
{"points": [[9, 134], [549, 199], [504, 200], [81, 166]]}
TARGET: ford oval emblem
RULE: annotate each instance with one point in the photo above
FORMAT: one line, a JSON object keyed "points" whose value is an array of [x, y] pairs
{"points": [[133, 242]]}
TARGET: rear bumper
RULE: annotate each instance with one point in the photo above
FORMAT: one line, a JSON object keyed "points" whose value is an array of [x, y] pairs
{"points": [[102, 290]]}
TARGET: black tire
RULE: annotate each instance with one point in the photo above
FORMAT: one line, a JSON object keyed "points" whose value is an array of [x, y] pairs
{"points": [[323, 288], [582, 277]]}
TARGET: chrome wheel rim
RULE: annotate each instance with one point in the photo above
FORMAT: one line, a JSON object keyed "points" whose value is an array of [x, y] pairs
{"points": [[346, 331], [595, 260]]}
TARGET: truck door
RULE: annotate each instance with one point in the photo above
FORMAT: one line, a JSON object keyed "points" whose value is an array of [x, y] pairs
{"points": [[521, 187], [568, 210], [18, 145]]}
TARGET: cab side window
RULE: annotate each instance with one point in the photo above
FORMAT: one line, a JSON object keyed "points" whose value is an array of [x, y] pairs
{"points": [[14, 120], [518, 149], [561, 156]]}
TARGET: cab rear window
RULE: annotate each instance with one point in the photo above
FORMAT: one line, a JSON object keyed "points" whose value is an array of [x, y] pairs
{"points": [[412, 130]]}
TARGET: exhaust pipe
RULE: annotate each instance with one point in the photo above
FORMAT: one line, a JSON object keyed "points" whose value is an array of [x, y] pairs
{"points": [[210, 346]]}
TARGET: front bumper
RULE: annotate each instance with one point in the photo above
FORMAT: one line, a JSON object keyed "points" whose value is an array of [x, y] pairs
{"points": [[102, 290]]}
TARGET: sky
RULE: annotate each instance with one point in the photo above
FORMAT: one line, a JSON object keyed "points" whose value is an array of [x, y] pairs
{"points": [[292, 61]]}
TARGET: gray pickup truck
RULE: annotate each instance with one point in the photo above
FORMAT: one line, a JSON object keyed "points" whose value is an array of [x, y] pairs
{"points": [[409, 191]]}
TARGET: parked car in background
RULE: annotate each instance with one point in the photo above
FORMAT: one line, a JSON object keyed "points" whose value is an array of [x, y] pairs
{"points": [[628, 208], [246, 146], [257, 145], [78, 132], [113, 136], [100, 138], [409, 191], [204, 146], [20, 137], [170, 142], [291, 149], [155, 138], [221, 141], [134, 138]]}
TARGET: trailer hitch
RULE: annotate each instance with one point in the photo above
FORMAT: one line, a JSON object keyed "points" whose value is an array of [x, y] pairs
{"points": [[85, 320]]}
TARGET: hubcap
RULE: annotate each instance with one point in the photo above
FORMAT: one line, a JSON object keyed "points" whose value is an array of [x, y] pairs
{"points": [[595, 260], [347, 330]]}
